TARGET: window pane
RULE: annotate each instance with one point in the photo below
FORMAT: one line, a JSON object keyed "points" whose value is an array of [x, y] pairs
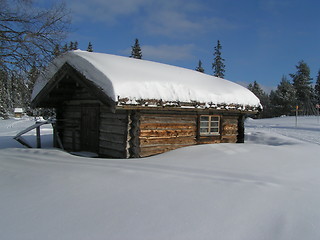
{"points": [[214, 124], [214, 130], [204, 118], [204, 124], [204, 130], [215, 119]]}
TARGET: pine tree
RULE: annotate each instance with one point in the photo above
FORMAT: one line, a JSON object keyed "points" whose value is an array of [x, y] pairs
{"points": [[218, 65], [71, 46], [263, 97], [65, 48], [317, 88], [56, 50], [199, 68], [283, 100], [302, 83], [90, 48], [75, 45], [31, 79], [136, 50]]}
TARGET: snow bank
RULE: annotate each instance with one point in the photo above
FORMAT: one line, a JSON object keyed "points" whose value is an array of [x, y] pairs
{"points": [[134, 79]]}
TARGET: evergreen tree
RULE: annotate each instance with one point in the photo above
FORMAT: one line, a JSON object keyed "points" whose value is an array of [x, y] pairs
{"points": [[71, 46], [75, 45], [302, 83], [136, 50], [56, 50], [65, 48], [90, 48], [317, 88], [31, 79], [218, 65], [199, 68], [304, 91], [263, 97], [283, 100]]}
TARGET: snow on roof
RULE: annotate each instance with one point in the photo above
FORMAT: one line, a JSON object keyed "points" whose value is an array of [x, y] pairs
{"points": [[18, 110], [134, 79]]}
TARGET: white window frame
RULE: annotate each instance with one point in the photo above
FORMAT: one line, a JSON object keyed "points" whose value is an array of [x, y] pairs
{"points": [[209, 125]]}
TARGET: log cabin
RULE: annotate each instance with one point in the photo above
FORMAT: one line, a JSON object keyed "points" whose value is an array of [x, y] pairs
{"points": [[122, 107]]}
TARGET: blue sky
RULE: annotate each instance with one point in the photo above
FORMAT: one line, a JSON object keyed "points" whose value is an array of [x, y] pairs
{"points": [[262, 40]]}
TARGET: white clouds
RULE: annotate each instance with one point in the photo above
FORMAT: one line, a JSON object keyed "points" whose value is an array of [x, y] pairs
{"points": [[106, 11], [170, 18]]}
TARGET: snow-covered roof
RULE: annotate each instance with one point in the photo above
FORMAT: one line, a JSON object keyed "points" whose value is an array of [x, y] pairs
{"points": [[18, 110], [134, 79]]}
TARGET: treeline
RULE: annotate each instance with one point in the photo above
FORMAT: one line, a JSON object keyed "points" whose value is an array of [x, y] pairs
{"points": [[296, 93]]}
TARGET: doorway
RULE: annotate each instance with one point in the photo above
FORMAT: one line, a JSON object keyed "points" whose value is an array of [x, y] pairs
{"points": [[90, 128]]}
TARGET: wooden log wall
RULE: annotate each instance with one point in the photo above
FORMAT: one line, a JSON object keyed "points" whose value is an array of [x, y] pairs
{"points": [[229, 129], [160, 133], [113, 133]]}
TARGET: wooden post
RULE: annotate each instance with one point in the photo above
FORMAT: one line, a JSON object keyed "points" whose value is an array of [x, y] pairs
{"points": [[38, 137], [297, 109]]}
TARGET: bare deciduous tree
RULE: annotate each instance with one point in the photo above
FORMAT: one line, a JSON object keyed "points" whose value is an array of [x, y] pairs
{"points": [[29, 34]]}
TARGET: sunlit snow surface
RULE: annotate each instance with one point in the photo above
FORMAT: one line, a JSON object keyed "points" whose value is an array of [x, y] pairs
{"points": [[267, 188]]}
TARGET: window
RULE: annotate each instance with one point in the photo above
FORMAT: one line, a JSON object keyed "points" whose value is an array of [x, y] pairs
{"points": [[209, 125]]}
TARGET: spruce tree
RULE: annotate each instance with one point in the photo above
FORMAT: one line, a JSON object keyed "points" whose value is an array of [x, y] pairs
{"points": [[56, 50], [33, 74], [75, 45], [90, 48], [136, 50], [199, 68], [218, 65], [317, 88], [283, 99], [71, 46], [263, 97], [65, 48], [302, 84]]}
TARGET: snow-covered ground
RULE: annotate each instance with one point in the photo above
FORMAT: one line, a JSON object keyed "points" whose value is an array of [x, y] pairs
{"points": [[267, 188]]}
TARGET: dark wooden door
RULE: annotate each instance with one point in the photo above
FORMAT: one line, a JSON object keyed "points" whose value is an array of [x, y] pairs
{"points": [[90, 128]]}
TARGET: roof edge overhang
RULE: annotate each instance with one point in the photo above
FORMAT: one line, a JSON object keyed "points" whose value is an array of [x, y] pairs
{"points": [[67, 70], [154, 104]]}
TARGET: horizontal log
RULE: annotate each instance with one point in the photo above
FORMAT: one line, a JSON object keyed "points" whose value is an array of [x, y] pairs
{"points": [[113, 129], [109, 115], [230, 133], [149, 151], [113, 121], [176, 125], [229, 120], [111, 153], [70, 133], [167, 119], [228, 127], [112, 145], [229, 139], [207, 139], [111, 137], [168, 133], [167, 141]]}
